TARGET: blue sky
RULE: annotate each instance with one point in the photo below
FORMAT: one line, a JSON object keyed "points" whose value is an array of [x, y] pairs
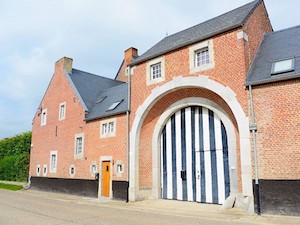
{"points": [[95, 33]]}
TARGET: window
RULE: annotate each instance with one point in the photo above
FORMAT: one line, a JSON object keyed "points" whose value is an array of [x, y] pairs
{"points": [[62, 111], [44, 117], [111, 127], [93, 169], [38, 170], [45, 170], [79, 146], [283, 66], [119, 168], [155, 71], [201, 56], [72, 170], [114, 105], [53, 161], [108, 128]]}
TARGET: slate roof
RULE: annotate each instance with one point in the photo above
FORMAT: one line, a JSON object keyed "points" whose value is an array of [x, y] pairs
{"points": [[91, 87], [275, 46], [225, 22]]}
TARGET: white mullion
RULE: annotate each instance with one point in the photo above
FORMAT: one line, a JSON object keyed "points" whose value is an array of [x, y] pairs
{"points": [[219, 157], [206, 139], [169, 160], [188, 132], [178, 154], [197, 155]]}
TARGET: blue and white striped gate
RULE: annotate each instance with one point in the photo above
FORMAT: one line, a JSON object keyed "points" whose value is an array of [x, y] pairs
{"points": [[194, 157]]}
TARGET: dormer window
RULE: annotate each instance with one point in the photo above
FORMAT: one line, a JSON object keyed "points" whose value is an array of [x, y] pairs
{"points": [[283, 66], [114, 105]]}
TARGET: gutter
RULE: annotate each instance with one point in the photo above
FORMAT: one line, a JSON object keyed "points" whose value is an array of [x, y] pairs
{"points": [[128, 130], [253, 129]]}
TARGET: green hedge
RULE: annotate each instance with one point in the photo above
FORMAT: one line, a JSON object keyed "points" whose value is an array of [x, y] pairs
{"points": [[14, 157]]}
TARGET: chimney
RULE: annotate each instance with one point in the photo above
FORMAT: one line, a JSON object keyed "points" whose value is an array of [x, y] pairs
{"points": [[64, 63], [129, 54]]}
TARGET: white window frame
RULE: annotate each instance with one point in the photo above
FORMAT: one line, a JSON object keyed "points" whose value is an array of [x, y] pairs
{"points": [[149, 69], [53, 168], [76, 154], [94, 166], [108, 128], [194, 49], [119, 164], [38, 170], [72, 166], [44, 117], [60, 115], [45, 168]]}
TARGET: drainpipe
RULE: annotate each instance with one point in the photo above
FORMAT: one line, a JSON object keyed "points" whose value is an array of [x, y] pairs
{"points": [[128, 129], [253, 130]]}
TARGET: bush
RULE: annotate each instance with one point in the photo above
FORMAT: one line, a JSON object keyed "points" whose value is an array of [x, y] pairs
{"points": [[14, 157]]}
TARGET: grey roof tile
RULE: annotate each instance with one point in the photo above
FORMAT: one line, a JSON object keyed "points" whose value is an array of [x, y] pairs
{"points": [[108, 97], [92, 88], [207, 29], [275, 46]]}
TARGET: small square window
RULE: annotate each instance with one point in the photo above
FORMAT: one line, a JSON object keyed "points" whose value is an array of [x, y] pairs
{"points": [[72, 170], [45, 170], [38, 170], [283, 66], [108, 128], [94, 169], [44, 117], [62, 111], [202, 57], [155, 71]]}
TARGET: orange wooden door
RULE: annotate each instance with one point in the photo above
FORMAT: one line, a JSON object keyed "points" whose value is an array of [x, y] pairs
{"points": [[105, 178]]}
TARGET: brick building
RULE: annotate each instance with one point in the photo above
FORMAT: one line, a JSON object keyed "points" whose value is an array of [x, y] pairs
{"points": [[192, 119]]}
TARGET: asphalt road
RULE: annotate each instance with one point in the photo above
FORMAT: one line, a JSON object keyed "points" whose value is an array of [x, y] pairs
{"points": [[36, 208]]}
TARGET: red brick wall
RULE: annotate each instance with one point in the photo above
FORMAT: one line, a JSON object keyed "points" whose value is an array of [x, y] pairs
{"points": [[231, 60], [45, 140], [255, 27], [276, 108]]}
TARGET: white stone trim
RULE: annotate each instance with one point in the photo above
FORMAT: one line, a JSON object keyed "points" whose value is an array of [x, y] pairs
{"points": [[59, 111], [149, 80], [53, 170], [199, 82], [105, 159], [72, 175], [38, 170], [192, 54], [108, 134], [45, 167], [78, 156], [44, 118]]}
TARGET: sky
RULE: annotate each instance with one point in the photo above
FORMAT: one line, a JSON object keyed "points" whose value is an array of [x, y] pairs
{"points": [[34, 34]]}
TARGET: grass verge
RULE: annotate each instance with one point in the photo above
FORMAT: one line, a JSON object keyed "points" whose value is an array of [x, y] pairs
{"points": [[11, 187]]}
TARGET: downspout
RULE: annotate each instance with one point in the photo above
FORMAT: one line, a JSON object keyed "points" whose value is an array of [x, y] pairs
{"points": [[253, 130], [128, 130]]}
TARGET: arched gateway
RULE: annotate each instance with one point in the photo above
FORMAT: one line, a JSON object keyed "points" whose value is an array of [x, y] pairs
{"points": [[215, 192], [194, 157]]}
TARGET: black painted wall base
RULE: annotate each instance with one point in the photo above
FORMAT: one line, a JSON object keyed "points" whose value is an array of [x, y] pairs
{"points": [[88, 188], [120, 190], [281, 197]]}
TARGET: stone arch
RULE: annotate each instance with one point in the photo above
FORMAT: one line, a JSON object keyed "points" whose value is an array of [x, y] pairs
{"points": [[187, 82]]}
